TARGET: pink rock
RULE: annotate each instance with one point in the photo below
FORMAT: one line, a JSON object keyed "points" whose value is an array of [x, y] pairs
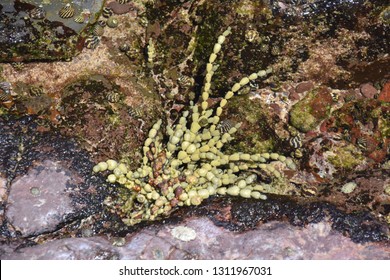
{"points": [[293, 96], [119, 9], [368, 90], [38, 201], [272, 241]]}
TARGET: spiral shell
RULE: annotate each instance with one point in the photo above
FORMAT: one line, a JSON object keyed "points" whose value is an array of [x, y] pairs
{"points": [[38, 13], [67, 11], [83, 16], [135, 112], [295, 142], [225, 126], [113, 96], [91, 42], [123, 1], [102, 23], [112, 22], [36, 91], [124, 47], [80, 18], [298, 153], [97, 30], [107, 12], [4, 96], [362, 142], [335, 96]]}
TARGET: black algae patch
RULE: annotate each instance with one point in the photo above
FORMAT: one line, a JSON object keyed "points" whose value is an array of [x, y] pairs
{"points": [[360, 227], [22, 147], [237, 214]]}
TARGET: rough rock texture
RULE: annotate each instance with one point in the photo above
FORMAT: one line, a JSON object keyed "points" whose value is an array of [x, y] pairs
{"points": [[45, 181], [38, 200], [324, 54], [271, 241]]}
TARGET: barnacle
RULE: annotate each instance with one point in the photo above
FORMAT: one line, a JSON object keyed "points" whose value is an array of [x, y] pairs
{"points": [[189, 164]]}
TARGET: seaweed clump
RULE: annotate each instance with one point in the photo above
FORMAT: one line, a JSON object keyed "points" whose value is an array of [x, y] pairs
{"points": [[189, 165]]}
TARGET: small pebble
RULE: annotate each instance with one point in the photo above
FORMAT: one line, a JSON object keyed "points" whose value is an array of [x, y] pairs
{"points": [[348, 187], [183, 233]]}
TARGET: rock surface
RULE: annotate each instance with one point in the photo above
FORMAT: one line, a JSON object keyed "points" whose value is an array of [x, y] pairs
{"points": [[105, 100], [271, 241], [28, 35], [39, 200]]}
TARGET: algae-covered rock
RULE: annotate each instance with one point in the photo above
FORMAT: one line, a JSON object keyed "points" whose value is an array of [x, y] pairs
{"points": [[34, 30], [311, 110], [257, 133], [364, 123], [346, 158], [97, 111]]}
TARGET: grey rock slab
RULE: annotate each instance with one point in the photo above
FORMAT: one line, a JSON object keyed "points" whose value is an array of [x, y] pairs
{"points": [[39, 200]]}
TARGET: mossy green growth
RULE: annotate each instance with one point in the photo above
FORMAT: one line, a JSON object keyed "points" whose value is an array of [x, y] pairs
{"points": [[384, 127], [347, 157], [311, 110], [257, 135]]}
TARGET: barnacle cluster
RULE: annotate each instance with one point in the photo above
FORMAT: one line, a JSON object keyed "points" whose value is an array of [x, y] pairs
{"points": [[189, 165]]}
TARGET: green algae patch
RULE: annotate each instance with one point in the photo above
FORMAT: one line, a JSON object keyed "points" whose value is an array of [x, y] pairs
{"points": [[256, 134], [347, 157], [311, 110]]}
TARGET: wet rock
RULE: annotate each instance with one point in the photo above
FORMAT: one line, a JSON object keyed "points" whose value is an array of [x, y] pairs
{"points": [[353, 139], [257, 132], [274, 240], [95, 248], [311, 110], [39, 200], [368, 90], [293, 95], [95, 101], [303, 87], [29, 32], [119, 9], [50, 180]]}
